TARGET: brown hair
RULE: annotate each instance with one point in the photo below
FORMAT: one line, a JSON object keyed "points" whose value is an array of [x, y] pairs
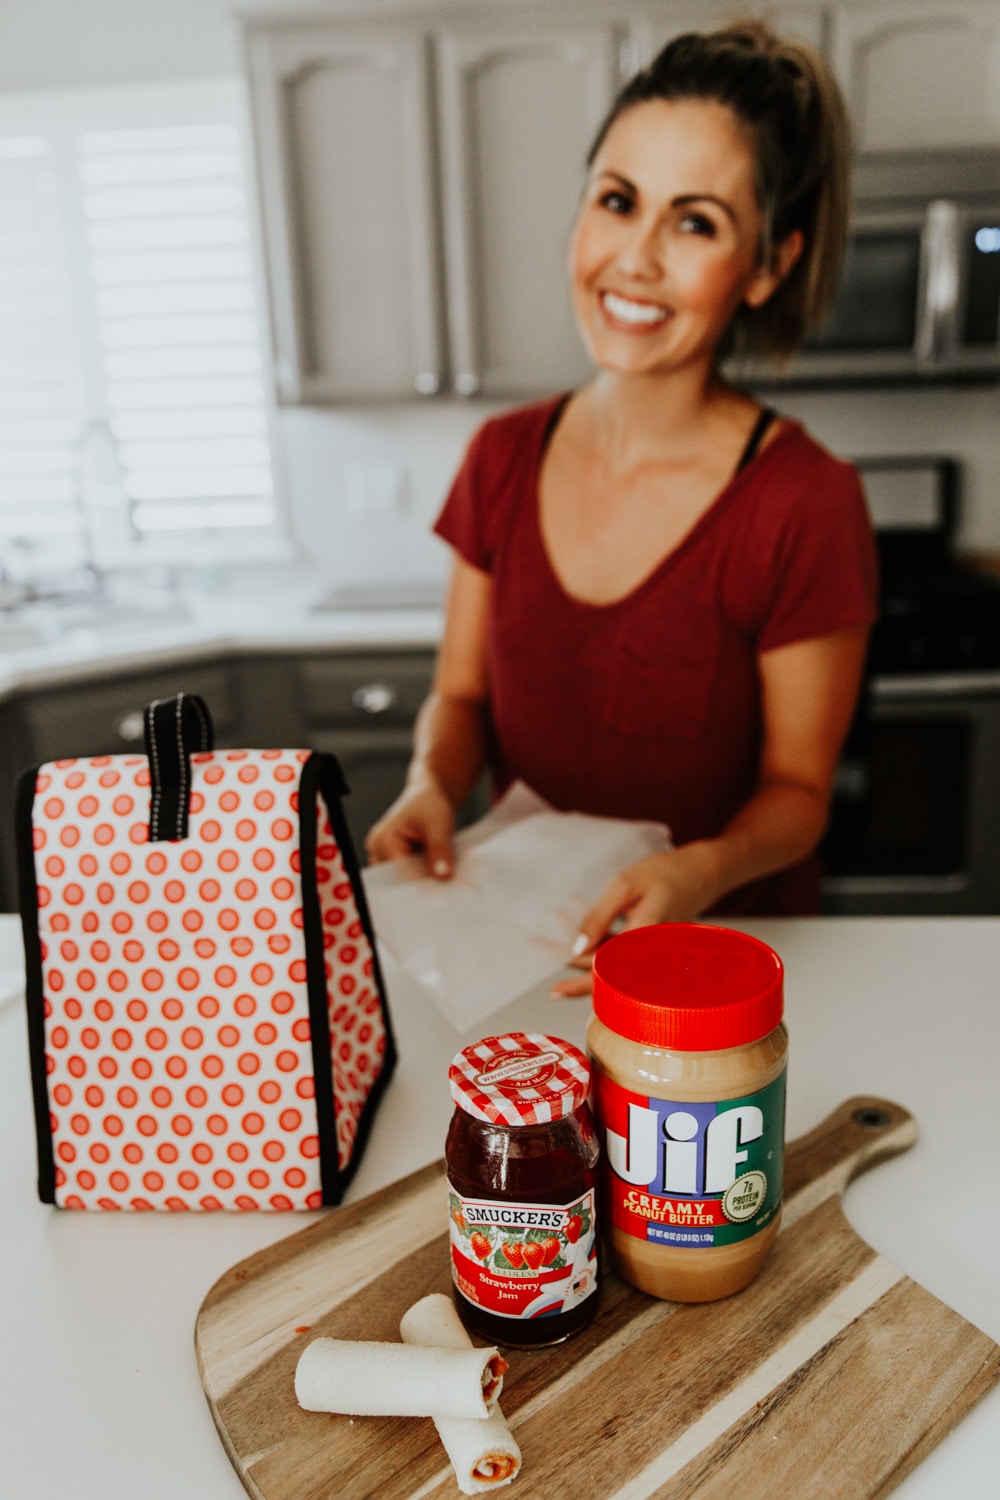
{"points": [[783, 94]]}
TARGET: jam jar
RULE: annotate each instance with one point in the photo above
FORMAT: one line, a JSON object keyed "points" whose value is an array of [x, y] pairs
{"points": [[522, 1175], [689, 1052]]}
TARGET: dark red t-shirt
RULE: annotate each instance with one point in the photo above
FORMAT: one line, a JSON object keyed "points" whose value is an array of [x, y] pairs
{"points": [[649, 707]]}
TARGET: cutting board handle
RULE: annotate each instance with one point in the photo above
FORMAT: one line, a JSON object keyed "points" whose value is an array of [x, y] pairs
{"points": [[863, 1131]]}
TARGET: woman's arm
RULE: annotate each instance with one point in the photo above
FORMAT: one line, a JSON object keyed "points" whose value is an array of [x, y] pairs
{"points": [[449, 749], [808, 693]]}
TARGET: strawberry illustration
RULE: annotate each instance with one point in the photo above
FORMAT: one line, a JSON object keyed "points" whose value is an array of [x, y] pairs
{"points": [[573, 1228], [550, 1249], [534, 1254], [480, 1245], [459, 1218], [514, 1253]]}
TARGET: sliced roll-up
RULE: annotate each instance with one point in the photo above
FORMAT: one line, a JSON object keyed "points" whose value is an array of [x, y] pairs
{"points": [[371, 1379], [484, 1454]]}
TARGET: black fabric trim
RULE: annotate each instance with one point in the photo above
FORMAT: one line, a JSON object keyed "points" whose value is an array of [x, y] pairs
{"points": [[319, 1015], [322, 775], [34, 988], [176, 728], [333, 786]]}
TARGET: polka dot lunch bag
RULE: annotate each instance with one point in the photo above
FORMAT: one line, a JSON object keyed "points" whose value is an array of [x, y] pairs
{"points": [[207, 1021]]}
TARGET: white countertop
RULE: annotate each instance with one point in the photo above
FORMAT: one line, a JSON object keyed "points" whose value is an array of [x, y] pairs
{"points": [[100, 1397], [254, 609]]}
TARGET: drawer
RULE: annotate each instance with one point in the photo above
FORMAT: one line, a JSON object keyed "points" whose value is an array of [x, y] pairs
{"points": [[106, 718], [360, 691]]}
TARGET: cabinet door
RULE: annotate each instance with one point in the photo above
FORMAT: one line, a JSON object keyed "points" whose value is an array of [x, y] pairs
{"points": [[344, 146], [519, 105], [920, 75]]}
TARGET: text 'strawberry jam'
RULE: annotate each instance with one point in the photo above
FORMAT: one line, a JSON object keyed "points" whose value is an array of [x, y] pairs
{"points": [[689, 1053], [522, 1176]]}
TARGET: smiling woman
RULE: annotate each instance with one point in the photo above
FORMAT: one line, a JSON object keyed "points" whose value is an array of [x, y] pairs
{"points": [[662, 592]]}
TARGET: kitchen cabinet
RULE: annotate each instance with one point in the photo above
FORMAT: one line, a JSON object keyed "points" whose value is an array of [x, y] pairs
{"points": [[919, 74], [343, 128], [368, 138], [508, 205]]}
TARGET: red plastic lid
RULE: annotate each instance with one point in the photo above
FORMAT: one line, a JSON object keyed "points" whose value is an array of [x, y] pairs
{"points": [[523, 1078], [689, 986]]}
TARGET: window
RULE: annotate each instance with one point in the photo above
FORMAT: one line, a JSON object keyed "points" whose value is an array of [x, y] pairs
{"points": [[134, 414]]}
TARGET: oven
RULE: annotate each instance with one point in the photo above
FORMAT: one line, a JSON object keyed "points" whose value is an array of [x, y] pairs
{"points": [[915, 820]]}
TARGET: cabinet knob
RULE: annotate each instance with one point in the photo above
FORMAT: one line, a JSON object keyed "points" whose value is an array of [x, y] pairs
{"points": [[131, 727], [375, 698], [467, 383], [427, 383]]}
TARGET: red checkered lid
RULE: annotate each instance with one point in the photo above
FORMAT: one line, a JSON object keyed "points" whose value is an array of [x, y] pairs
{"points": [[523, 1078]]}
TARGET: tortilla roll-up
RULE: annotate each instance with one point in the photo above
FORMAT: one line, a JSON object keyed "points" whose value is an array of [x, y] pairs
{"points": [[484, 1455], [369, 1379]]}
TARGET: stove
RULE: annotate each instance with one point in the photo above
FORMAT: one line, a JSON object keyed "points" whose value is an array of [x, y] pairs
{"points": [[915, 822]]}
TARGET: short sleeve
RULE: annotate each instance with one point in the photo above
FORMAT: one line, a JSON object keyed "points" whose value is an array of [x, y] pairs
{"points": [[826, 567], [464, 521]]}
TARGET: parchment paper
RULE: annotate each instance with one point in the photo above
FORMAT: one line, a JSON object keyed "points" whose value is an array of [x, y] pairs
{"points": [[524, 877]]}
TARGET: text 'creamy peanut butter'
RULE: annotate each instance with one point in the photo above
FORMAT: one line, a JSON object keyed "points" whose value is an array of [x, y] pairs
{"points": [[689, 1053]]}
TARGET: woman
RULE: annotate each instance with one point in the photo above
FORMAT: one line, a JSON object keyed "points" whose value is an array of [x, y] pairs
{"points": [[661, 592]]}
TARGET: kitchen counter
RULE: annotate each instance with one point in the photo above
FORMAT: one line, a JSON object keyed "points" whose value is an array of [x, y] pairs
{"points": [[99, 1390], [249, 611]]}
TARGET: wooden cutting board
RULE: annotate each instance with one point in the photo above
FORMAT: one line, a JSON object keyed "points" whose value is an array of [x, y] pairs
{"points": [[832, 1374]]}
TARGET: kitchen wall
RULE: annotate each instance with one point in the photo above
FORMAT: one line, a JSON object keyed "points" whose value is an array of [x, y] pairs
{"points": [[363, 483]]}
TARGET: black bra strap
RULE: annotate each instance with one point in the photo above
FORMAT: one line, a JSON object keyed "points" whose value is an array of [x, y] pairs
{"points": [[763, 422]]}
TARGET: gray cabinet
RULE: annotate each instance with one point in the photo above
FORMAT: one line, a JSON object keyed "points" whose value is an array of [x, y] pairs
{"points": [[362, 708], [919, 74], [343, 129], [418, 180], [519, 105]]}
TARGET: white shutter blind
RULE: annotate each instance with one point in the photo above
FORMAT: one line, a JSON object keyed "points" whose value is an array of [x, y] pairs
{"points": [[134, 414], [41, 404], [168, 241]]}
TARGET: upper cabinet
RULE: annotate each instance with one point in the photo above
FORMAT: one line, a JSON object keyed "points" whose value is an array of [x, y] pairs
{"points": [[519, 105], [418, 185], [347, 173], [920, 74], [420, 163]]}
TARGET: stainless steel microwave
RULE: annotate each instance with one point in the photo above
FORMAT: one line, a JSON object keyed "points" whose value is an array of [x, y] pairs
{"points": [[919, 294]]}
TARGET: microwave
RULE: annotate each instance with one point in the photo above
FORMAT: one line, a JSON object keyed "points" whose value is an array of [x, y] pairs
{"points": [[919, 293]]}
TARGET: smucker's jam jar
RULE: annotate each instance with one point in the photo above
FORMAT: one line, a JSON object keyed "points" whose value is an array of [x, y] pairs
{"points": [[522, 1175], [689, 1053]]}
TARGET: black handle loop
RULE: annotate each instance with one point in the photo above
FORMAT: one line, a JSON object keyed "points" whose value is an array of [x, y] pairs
{"points": [[176, 729]]}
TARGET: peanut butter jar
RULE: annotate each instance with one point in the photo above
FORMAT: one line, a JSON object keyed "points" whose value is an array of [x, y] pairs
{"points": [[688, 1056]]}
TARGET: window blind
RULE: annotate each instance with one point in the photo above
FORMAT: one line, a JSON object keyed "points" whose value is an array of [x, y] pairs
{"points": [[41, 399], [167, 234], [134, 413]]}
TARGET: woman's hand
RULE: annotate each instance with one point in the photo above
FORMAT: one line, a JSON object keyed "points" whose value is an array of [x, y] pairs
{"points": [[674, 886], [421, 820]]}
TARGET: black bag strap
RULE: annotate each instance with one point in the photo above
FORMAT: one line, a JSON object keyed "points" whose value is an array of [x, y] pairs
{"points": [[176, 728]]}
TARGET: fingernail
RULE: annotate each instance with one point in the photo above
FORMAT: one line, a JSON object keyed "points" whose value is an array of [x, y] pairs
{"points": [[580, 946], [441, 867]]}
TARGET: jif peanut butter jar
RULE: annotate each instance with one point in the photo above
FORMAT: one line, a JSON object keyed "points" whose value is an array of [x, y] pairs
{"points": [[688, 1056]]}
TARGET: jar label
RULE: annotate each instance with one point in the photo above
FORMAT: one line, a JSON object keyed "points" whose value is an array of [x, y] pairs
{"points": [[523, 1260], [691, 1174]]}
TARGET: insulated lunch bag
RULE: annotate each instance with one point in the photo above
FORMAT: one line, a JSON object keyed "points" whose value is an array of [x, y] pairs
{"points": [[207, 1021]]}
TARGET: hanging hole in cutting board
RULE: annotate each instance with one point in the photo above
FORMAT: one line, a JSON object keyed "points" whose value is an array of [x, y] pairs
{"points": [[871, 1119]]}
